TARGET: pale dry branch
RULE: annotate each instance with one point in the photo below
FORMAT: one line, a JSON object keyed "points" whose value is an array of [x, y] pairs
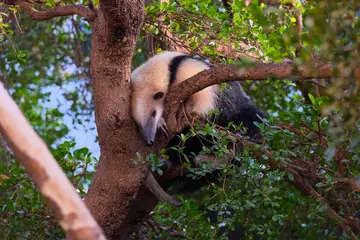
{"points": [[61, 197], [88, 14]]}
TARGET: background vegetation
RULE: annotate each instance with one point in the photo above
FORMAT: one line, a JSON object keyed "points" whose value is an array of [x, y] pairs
{"points": [[312, 126]]}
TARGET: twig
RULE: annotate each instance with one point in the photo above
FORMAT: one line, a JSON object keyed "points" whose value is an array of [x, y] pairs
{"points": [[80, 175], [299, 29], [90, 3], [157, 227], [317, 83]]}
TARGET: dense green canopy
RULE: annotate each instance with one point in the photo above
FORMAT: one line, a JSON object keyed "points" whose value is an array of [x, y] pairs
{"points": [[313, 127]]}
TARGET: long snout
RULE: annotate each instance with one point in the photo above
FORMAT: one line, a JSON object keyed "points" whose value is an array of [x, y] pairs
{"points": [[148, 132]]}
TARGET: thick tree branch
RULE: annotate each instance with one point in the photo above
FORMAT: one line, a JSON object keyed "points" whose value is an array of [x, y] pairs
{"points": [[226, 73], [88, 14], [56, 189]]}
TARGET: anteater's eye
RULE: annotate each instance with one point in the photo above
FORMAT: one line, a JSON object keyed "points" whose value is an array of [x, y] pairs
{"points": [[153, 114], [158, 95]]}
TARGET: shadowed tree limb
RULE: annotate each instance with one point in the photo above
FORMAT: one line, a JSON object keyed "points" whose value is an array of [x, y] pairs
{"points": [[88, 14], [61, 197], [156, 227]]}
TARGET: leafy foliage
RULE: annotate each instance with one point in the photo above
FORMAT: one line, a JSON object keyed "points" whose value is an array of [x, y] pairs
{"points": [[40, 61], [312, 129], [318, 137]]}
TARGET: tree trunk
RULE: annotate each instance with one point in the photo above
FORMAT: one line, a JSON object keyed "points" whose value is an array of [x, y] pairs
{"points": [[115, 195]]}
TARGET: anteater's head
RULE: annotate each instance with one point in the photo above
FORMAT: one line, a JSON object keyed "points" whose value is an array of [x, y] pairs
{"points": [[150, 83]]}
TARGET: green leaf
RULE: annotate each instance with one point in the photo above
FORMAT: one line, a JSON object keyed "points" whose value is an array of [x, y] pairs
{"points": [[290, 176], [312, 99]]}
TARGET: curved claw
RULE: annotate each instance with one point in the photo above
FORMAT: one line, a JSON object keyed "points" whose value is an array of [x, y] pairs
{"points": [[153, 186]]}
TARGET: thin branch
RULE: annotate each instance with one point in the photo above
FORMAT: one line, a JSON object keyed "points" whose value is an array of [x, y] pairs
{"points": [[317, 83], [331, 213], [156, 227], [224, 50], [227, 6], [90, 3], [88, 14], [175, 42], [61, 197], [150, 45], [166, 30], [80, 175], [226, 73], [299, 28], [348, 184], [272, 2]]}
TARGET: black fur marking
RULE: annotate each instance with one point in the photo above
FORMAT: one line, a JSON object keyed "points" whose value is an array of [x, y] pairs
{"points": [[234, 106], [174, 66], [177, 61]]}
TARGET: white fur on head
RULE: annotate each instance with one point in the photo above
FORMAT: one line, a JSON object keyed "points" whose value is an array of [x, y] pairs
{"points": [[153, 76]]}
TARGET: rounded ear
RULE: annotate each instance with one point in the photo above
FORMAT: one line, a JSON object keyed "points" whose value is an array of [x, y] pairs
{"points": [[159, 95]]}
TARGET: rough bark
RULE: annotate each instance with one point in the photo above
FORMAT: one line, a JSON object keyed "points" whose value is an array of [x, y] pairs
{"points": [[114, 194], [61, 197]]}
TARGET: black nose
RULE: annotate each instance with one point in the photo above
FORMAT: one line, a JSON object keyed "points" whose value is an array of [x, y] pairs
{"points": [[150, 143]]}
